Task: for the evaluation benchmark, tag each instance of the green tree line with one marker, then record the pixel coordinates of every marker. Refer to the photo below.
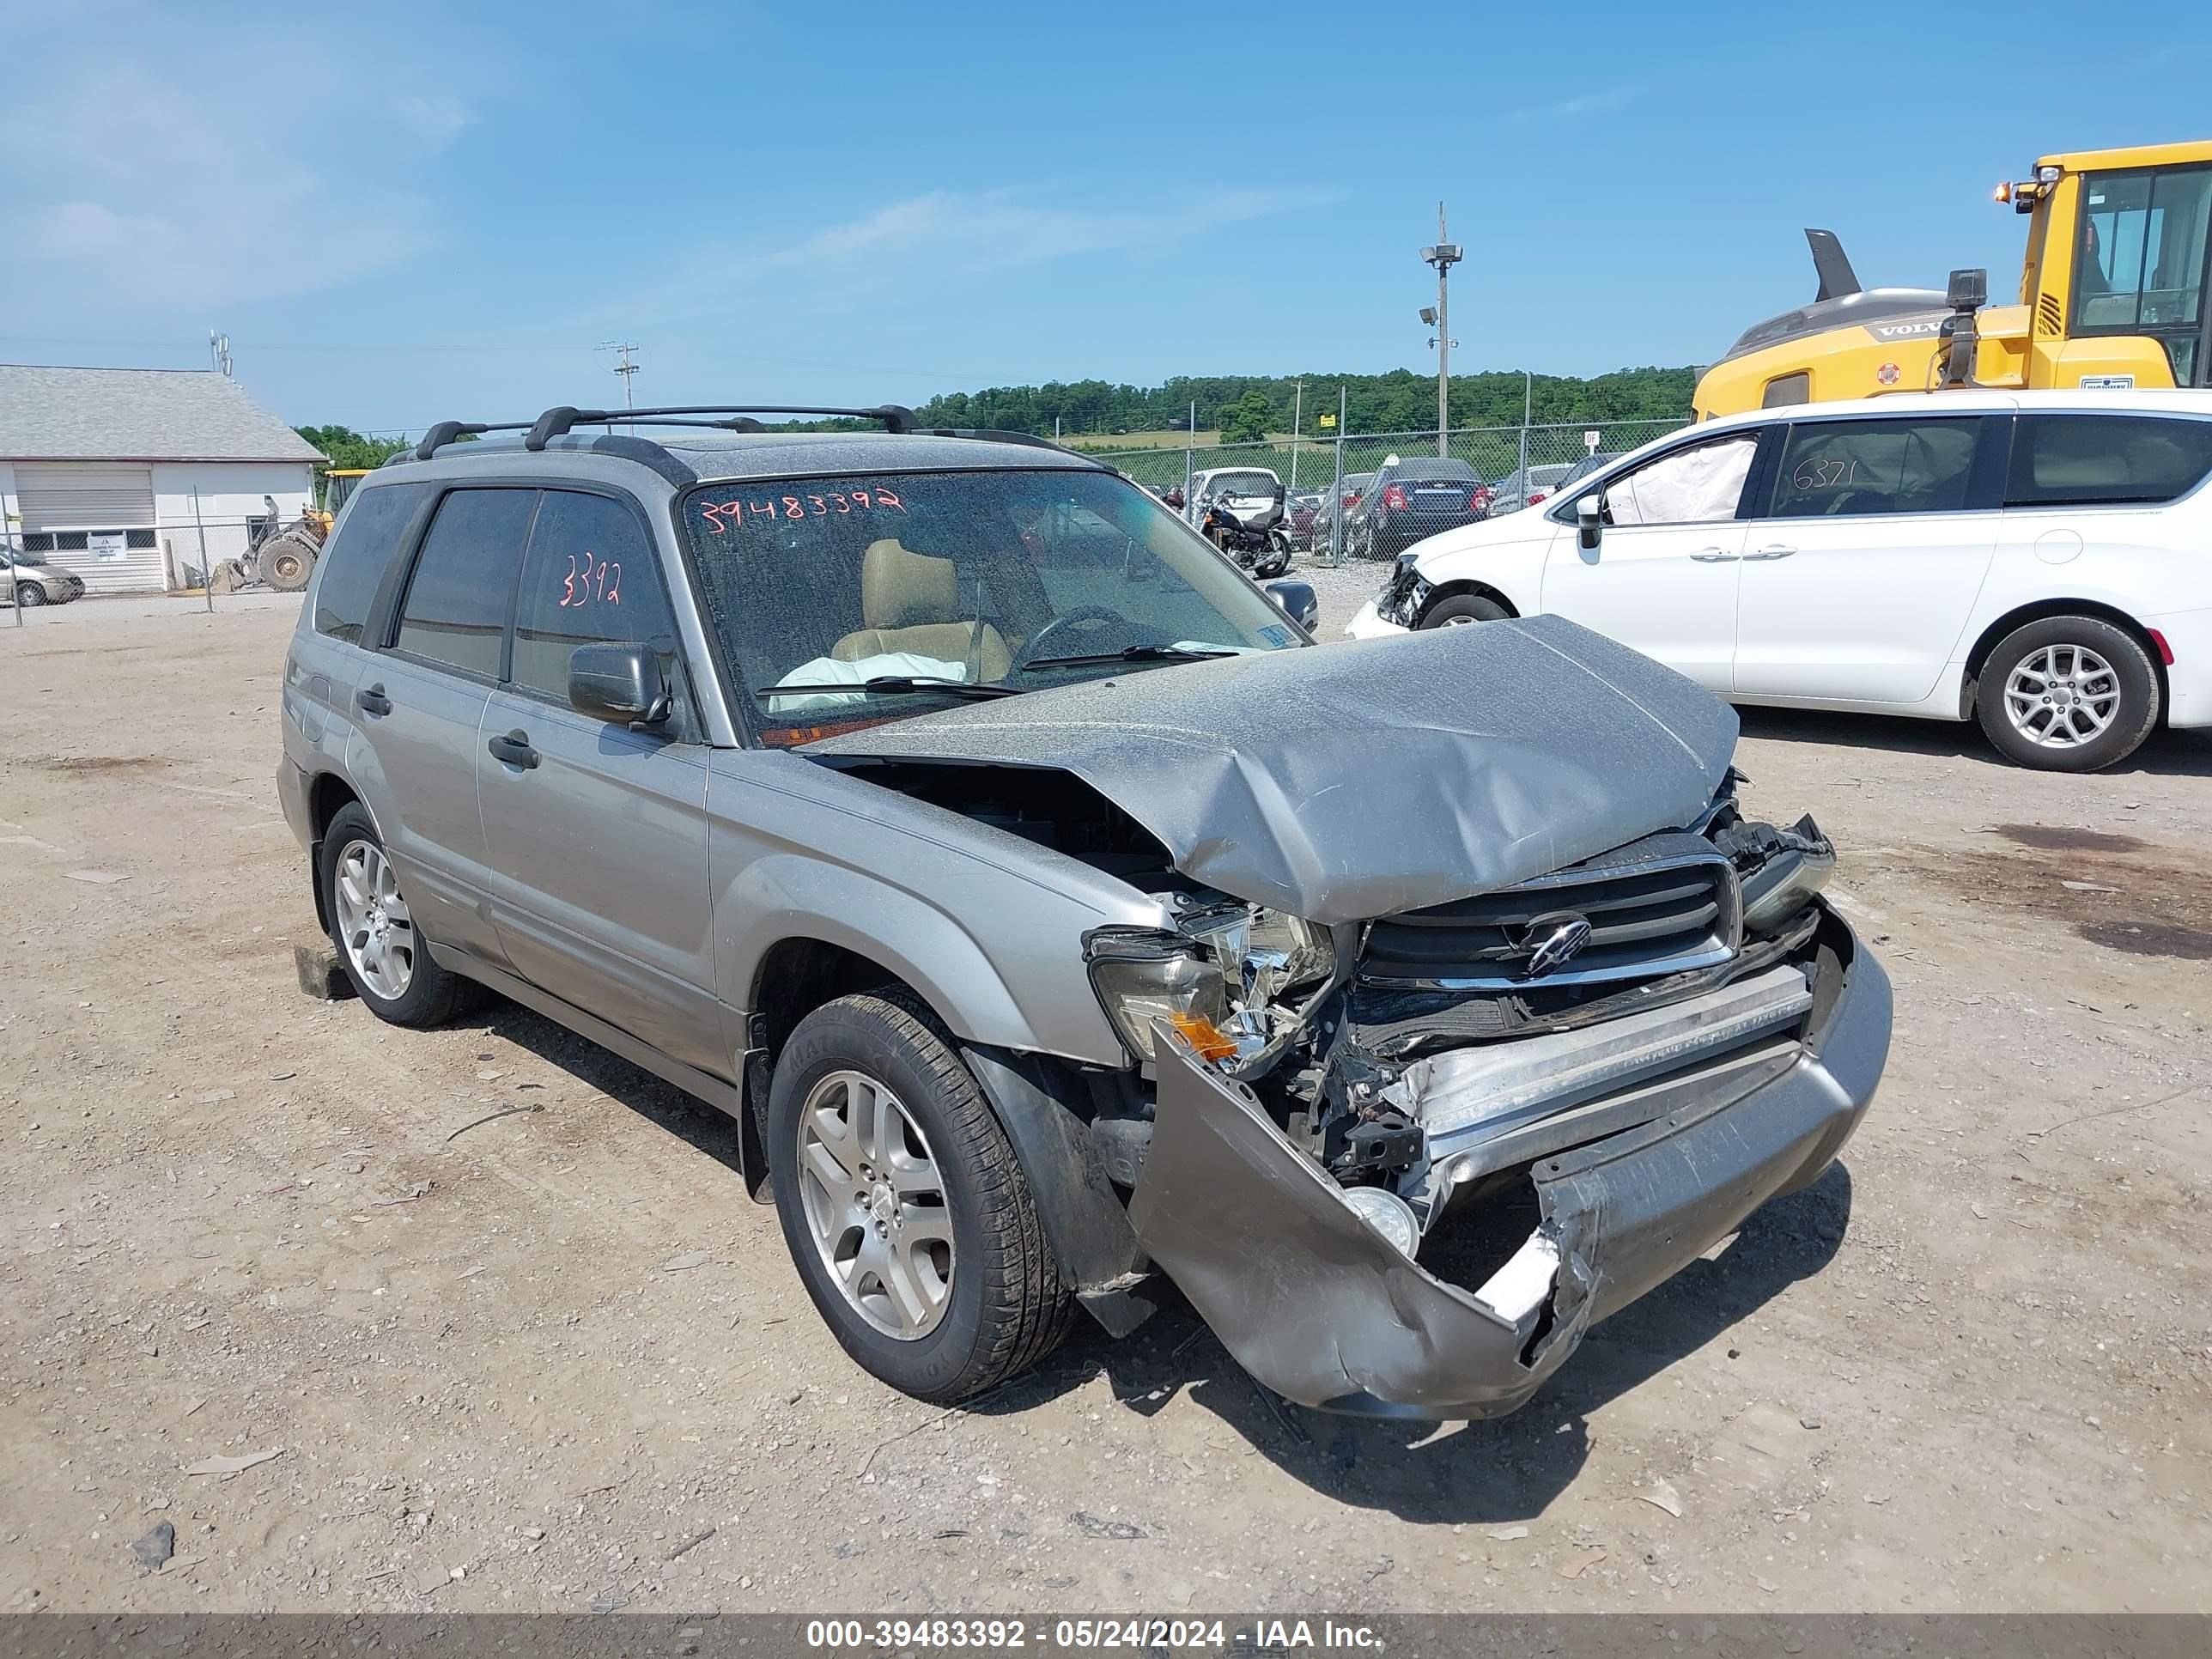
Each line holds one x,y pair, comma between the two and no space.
1253,405
1239,406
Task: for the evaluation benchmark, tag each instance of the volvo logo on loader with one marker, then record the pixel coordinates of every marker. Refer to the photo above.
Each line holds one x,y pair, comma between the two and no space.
1552,941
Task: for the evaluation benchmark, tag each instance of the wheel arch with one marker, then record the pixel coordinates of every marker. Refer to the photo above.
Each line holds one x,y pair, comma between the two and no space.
1466,587
2019,615
327,795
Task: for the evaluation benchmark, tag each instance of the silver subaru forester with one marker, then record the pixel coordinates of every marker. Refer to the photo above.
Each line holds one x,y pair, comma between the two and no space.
1050,914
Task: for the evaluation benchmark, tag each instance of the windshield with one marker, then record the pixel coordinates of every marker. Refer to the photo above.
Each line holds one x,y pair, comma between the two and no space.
923,581
1242,483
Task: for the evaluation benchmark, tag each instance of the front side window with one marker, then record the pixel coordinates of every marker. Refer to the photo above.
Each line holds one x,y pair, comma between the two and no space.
1009,581
590,578
1841,469
2105,459
2141,263
1696,485
353,565
455,612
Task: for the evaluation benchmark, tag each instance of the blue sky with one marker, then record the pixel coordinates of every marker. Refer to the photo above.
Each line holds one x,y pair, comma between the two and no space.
403,214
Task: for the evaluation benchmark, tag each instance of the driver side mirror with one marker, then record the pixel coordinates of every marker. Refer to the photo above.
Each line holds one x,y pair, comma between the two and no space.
1297,601
621,685
1589,522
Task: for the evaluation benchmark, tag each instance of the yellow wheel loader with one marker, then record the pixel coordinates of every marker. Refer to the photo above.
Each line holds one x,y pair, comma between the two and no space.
2112,293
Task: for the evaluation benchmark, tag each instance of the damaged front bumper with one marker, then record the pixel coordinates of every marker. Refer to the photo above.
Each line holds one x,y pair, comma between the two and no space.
1319,1307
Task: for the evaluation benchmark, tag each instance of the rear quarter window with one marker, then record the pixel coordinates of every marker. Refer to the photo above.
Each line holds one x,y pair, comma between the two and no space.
2090,460
360,550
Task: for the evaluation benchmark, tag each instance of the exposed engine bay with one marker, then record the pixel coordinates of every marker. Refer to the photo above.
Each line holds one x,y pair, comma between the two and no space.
1424,1060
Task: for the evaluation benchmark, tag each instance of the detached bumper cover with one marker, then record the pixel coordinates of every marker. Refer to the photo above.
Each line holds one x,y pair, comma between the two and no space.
1318,1306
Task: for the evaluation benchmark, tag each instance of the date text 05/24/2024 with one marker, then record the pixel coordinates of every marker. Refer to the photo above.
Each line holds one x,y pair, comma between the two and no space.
1132,1633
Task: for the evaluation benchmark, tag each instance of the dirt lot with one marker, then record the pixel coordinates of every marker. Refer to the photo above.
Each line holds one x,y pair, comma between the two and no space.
558,1361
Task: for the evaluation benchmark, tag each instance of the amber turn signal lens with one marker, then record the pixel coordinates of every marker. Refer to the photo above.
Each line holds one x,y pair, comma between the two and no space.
1207,1040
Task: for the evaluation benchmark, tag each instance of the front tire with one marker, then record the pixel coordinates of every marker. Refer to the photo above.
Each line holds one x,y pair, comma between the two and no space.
904,1207
2068,694
383,952
1459,610
29,593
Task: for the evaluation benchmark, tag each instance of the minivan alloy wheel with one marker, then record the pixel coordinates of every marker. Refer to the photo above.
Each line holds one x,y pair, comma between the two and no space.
875,1204
374,924
2062,697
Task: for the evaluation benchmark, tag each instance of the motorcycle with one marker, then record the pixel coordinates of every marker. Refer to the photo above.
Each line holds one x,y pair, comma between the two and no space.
1254,536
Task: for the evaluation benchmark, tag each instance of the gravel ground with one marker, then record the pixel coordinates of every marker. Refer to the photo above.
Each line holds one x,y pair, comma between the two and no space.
556,1360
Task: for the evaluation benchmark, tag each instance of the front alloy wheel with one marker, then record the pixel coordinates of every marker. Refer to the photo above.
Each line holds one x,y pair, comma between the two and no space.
903,1205
875,1204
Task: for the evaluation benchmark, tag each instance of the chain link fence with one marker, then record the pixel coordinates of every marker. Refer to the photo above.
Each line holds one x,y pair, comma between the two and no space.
1512,460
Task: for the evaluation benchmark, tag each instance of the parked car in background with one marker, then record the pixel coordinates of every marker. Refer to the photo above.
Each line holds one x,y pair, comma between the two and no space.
1412,499
1306,512
1526,486
1244,490
1336,509
32,582
2035,560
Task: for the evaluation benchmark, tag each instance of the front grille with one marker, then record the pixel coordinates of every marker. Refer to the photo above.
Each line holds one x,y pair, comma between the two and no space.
1656,906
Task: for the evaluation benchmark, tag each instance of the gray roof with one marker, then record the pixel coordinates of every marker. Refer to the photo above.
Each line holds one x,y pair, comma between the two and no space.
137,414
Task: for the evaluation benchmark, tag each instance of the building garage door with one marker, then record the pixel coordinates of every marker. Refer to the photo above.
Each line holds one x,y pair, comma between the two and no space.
97,521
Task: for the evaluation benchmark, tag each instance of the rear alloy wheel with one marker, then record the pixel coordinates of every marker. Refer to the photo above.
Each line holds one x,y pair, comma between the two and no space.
2068,694
1462,609
29,593
903,1205
374,928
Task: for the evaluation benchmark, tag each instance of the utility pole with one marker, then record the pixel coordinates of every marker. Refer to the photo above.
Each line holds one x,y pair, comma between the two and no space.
1297,414
1527,403
624,368
1443,256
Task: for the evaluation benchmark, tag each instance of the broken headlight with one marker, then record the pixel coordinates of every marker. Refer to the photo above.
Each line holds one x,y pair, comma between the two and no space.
1141,976
1797,862
1403,594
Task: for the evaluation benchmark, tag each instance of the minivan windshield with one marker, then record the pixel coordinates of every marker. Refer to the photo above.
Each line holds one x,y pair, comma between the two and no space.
841,600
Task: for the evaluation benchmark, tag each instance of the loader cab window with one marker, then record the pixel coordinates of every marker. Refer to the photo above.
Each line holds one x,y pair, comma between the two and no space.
2140,265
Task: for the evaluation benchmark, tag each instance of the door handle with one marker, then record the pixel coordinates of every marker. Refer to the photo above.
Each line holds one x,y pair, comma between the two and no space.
1771,553
373,701
1714,556
514,750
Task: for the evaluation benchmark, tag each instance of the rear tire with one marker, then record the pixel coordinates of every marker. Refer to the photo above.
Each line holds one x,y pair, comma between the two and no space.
421,993
2068,694
1459,610
994,1306
285,562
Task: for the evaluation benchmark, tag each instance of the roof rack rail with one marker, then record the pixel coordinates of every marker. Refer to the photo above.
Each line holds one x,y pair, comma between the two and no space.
562,418
446,431
992,434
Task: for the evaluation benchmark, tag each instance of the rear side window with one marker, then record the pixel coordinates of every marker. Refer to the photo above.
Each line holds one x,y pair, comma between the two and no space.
1845,469
2104,459
358,555
455,612
590,579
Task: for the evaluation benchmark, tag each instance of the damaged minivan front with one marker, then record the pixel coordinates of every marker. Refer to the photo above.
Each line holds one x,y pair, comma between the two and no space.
1505,946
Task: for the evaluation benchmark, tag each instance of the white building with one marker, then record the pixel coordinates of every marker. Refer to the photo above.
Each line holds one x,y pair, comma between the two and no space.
117,474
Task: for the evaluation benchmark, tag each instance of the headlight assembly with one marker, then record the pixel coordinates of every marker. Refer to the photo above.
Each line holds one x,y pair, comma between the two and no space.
1141,976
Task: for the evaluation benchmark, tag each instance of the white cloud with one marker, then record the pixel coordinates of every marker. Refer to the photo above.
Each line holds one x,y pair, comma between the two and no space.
146,171
936,235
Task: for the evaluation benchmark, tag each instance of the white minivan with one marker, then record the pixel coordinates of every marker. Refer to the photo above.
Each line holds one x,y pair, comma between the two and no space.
2040,561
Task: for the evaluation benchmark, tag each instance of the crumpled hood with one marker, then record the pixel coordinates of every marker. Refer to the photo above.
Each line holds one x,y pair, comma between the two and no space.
1345,782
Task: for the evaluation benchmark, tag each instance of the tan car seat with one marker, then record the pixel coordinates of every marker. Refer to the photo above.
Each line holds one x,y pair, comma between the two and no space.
911,602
